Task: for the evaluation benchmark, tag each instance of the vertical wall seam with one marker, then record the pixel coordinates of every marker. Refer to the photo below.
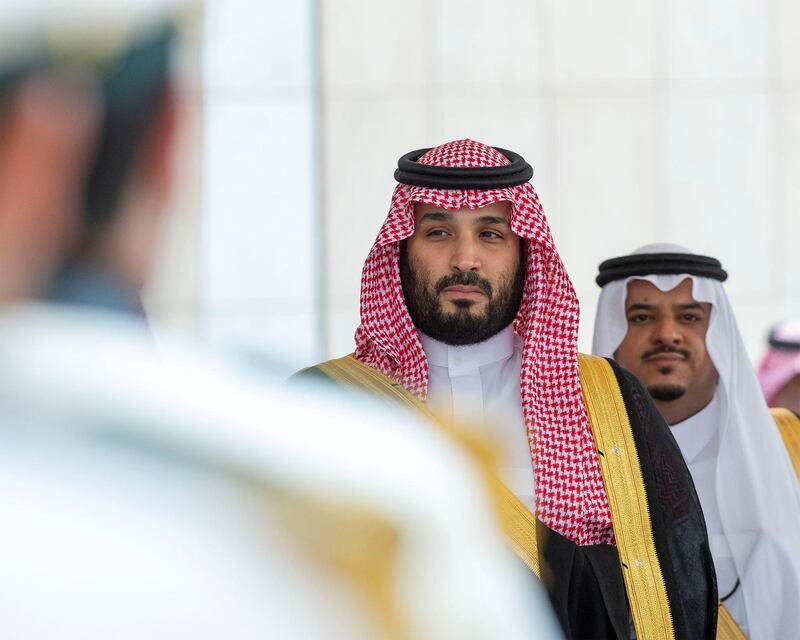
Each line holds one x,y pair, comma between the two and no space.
321,306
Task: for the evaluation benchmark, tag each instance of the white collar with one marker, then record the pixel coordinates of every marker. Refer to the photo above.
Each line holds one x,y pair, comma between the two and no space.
694,433
462,359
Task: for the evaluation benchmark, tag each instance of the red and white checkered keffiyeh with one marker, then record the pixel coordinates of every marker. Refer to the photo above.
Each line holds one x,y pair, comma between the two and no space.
569,490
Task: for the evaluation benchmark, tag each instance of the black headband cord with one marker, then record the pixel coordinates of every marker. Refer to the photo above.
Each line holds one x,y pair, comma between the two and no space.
411,172
783,345
646,264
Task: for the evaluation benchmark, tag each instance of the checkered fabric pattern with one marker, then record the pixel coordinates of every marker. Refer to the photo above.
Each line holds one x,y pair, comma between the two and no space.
569,490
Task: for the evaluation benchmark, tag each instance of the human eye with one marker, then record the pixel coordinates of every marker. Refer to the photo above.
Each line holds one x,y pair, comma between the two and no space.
638,318
491,234
436,233
691,317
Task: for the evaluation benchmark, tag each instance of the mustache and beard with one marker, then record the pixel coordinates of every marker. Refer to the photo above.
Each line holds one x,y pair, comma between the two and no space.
666,392
462,326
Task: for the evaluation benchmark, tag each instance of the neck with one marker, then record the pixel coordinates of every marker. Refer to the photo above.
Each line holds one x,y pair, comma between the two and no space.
469,356
675,411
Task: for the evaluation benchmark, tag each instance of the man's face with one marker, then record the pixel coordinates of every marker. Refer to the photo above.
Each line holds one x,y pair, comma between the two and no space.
462,272
49,125
665,347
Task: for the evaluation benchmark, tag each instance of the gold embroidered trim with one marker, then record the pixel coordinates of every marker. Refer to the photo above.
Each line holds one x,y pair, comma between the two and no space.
727,629
627,499
518,523
356,546
789,427
350,372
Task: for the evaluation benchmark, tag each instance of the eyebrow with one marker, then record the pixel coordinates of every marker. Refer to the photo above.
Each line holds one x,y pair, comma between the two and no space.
641,306
492,220
690,305
445,216
437,216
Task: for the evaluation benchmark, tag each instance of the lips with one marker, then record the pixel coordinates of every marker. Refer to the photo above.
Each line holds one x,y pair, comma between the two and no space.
462,289
665,358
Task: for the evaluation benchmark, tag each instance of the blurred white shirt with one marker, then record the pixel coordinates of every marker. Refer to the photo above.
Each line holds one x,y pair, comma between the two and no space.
161,495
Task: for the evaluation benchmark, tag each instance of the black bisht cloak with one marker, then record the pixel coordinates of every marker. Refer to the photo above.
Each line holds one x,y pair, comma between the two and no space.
585,583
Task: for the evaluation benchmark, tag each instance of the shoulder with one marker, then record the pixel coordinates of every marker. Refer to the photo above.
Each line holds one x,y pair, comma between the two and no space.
601,375
325,371
603,380
788,423
661,460
781,415
644,418
599,364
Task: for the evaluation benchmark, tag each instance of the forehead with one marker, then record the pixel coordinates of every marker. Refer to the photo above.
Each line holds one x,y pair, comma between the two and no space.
645,292
501,209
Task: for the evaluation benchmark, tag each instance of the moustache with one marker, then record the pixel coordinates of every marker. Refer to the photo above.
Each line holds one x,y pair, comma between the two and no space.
468,279
666,349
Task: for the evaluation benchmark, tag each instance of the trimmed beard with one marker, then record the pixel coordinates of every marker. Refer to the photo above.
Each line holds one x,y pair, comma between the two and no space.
666,392
462,326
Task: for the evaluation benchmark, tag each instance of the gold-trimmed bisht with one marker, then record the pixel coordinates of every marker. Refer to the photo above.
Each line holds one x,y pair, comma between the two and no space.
624,484
622,477
627,499
518,523
789,427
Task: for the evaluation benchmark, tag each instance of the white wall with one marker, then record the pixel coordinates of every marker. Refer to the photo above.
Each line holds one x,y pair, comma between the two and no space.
260,175
673,120
241,261
174,296
645,121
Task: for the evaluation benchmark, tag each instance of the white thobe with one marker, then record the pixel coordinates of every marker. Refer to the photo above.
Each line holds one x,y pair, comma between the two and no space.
698,439
476,387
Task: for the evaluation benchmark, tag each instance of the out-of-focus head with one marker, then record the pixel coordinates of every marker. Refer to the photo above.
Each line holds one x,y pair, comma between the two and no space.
87,121
779,371
47,127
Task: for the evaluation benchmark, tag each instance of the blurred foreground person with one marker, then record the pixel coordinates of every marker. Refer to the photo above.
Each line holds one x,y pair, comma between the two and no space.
468,315
174,502
779,371
46,140
110,180
162,495
664,315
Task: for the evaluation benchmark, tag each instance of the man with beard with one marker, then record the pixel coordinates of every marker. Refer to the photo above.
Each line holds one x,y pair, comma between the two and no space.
468,315
664,315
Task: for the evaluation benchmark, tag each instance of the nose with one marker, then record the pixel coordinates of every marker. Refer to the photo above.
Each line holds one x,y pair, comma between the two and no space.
667,331
466,255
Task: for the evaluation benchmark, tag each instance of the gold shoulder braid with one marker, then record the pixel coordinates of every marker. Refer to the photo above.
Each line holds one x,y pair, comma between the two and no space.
627,499
357,547
789,427
727,629
518,523
605,406
349,372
